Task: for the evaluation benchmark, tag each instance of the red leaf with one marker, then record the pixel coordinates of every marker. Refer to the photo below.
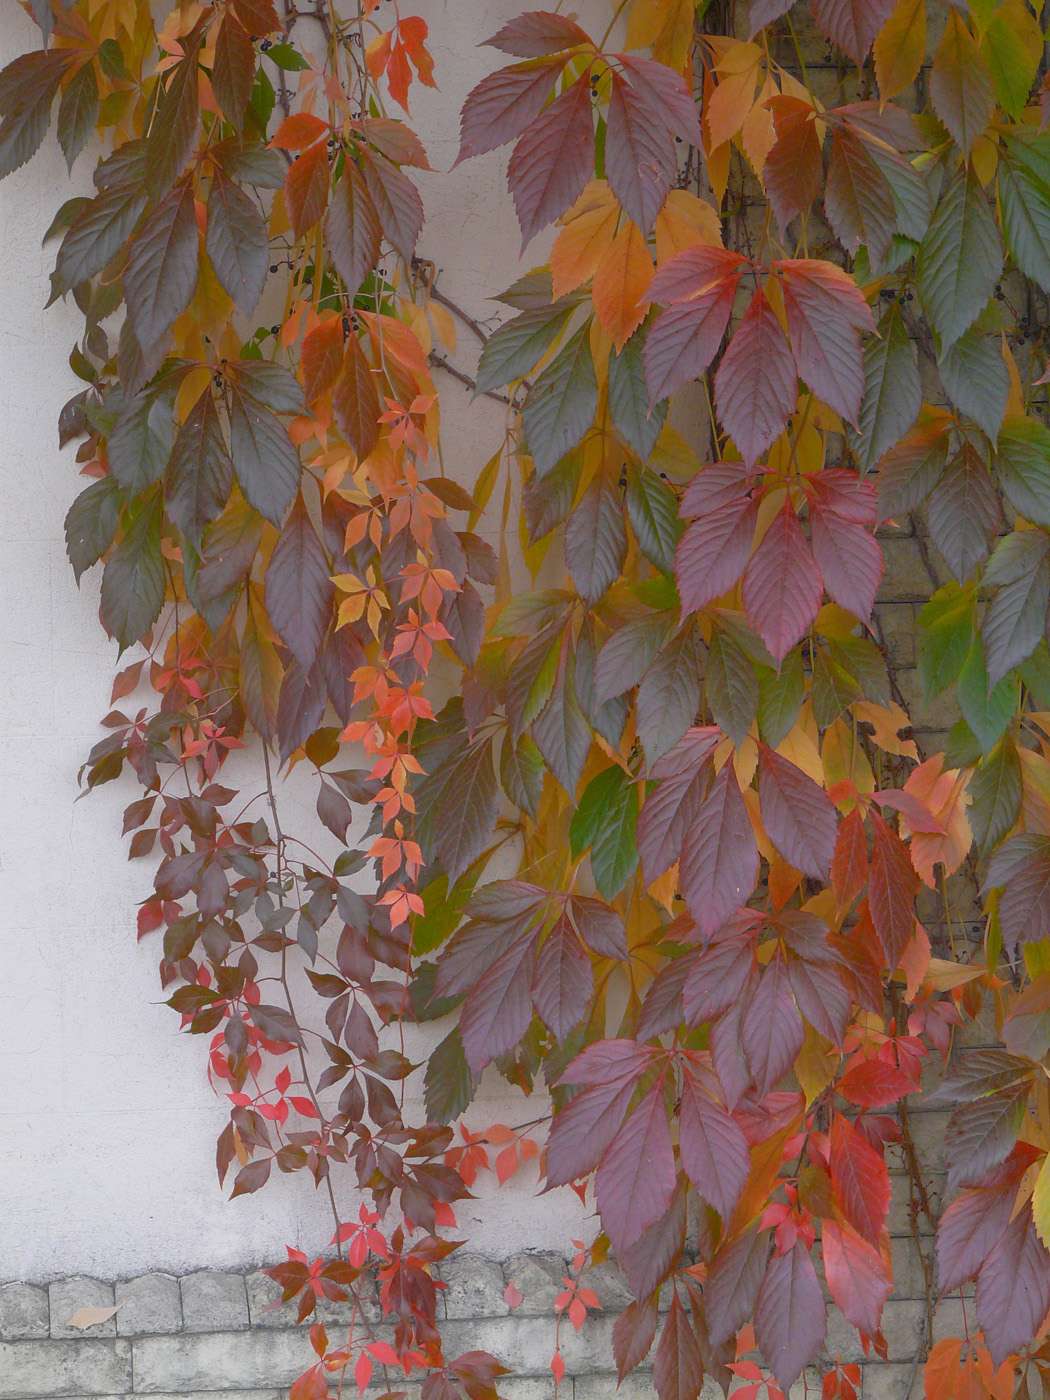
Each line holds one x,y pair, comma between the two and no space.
713,1148
355,400
321,359
633,1334
852,24
553,160
665,92
794,169
826,312
538,33
892,885
763,12
666,816
353,233
874,1084
505,104
790,1315
860,1180
857,1274
717,979
640,158
782,588
798,816
733,1281
1013,1288
693,271
635,1180
772,1028
583,1129
299,588
678,1371
849,559
563,981
849,864
970,1230
713,552
820,995
719,860
497,1011
756,385
685,338
306,189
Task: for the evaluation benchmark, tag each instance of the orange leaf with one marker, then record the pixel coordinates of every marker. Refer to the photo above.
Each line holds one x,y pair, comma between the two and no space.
942,1370
684,221
620,283
298,131
587,235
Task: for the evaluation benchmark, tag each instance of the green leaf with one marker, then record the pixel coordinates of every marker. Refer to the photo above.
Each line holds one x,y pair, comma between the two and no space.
652,508
910,471
987,710
995,794
91,524
264,457
237,242
27,92
521,773
961,87
77,113
669,695
133,581
449,1084
140,443
562,404
97,234
1013,63
974,373
1025,203
893,395
732,686
284,56
561,732
605,821
946,631
780,698
596,539
863,660
1015,619
515,349
1022,464
833,690
442,913
1035,672
200,472
629,399
271,384
964,512
111,60
960,258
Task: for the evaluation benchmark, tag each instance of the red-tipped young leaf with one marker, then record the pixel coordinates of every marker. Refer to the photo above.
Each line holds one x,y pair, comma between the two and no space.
790,1315
756,385
782,587
553,160
798,816
719,861
635,1179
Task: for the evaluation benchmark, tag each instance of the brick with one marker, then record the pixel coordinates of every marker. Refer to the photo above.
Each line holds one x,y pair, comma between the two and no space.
903,1322
610,1287
268,1394
526,1344
538,1277
214,1302
69,1294
906,577
23,1312
896,624
264,1302
150,1303
927,714
46,1368
473,1287
220,1360
891,1381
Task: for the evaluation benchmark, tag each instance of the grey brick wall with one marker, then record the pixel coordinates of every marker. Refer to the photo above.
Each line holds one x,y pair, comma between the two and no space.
220,1336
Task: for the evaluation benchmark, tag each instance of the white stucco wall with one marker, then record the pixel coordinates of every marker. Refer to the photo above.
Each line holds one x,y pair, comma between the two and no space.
107,1123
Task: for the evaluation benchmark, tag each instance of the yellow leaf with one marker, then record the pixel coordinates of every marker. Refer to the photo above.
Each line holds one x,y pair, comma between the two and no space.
1015,398
190,390
757,134
943,975
620,282
91,1317
900,48
718,171
845,761
887,722
587,235
1041,1202
815,1065
683,222
800,748
985,157
734,96
673,455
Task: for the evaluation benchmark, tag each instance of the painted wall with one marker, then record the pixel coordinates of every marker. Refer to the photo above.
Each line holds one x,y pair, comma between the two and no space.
107,1124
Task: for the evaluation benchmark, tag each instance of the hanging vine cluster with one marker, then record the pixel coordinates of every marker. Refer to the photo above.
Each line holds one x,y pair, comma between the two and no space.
748,912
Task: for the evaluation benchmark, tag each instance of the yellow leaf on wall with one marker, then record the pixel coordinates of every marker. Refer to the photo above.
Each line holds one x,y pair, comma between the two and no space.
900,48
